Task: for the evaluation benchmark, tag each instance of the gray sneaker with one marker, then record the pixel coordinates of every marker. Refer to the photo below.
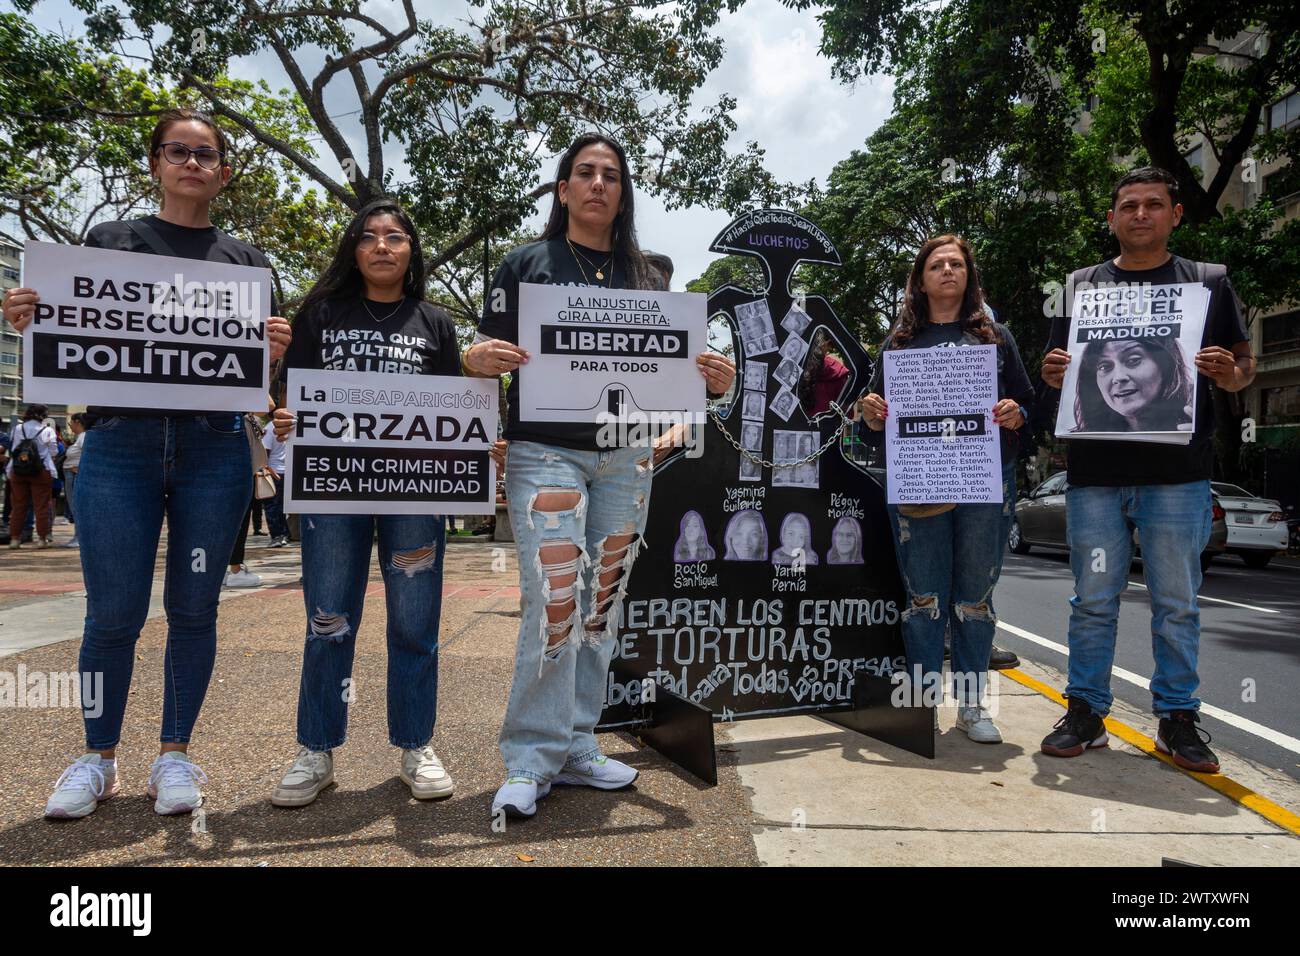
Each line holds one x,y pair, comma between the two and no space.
422,771
978,725
312,772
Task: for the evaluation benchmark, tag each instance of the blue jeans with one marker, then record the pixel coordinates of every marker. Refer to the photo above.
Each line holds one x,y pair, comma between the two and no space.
950,564
561,665
335,573
196,471
276,522
1173,525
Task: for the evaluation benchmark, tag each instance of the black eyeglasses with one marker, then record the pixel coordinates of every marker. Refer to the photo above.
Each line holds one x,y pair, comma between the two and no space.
178,154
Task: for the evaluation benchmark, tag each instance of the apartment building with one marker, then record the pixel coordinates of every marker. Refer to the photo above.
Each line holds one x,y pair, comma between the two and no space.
12,402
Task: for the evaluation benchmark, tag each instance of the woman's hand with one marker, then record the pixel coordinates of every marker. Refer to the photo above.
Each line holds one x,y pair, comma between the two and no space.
494,357
664,445
498,454
874,411
19,307
1219,364
278,335
283,422
1055,363
718,371
1007,414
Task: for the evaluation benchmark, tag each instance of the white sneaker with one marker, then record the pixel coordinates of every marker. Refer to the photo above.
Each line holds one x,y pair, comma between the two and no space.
72,543
243,578
978,725
518,797
44,542
312,772
603,773
89,780
174,783
422,771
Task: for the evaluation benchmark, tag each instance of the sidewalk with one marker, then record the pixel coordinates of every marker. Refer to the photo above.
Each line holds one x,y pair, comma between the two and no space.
795,790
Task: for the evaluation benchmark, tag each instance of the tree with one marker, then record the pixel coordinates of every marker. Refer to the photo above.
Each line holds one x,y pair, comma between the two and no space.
471,107
1188,79
72,154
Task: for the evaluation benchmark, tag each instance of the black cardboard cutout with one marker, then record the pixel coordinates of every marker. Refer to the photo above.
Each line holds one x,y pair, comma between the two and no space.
754,638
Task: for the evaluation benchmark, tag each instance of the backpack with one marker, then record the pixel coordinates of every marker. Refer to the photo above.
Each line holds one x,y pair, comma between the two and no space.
27,455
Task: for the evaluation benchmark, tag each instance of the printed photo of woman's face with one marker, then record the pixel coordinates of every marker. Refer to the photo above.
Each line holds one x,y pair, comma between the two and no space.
1128,377
794,536
746,538
846,542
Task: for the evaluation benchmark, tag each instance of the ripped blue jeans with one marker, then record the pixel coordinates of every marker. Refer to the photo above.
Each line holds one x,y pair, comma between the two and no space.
950,564
335,574
578,519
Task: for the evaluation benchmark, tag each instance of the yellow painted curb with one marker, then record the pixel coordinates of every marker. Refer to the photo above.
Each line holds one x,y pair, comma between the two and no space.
1248,798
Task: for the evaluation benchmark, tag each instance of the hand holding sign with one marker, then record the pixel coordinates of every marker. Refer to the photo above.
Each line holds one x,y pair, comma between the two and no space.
718,371
19,307
494,357
1007,414
1055,363
1219,364
278,336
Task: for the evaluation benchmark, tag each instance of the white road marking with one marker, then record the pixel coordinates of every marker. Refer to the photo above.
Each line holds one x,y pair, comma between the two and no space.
1241,723
1202,597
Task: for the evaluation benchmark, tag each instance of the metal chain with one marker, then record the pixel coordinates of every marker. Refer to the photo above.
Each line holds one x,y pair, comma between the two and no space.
835,436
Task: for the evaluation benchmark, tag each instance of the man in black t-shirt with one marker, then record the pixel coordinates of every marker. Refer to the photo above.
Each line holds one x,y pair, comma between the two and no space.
1161,490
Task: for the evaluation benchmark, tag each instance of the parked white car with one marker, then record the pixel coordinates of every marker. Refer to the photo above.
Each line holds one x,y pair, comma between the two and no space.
1256,526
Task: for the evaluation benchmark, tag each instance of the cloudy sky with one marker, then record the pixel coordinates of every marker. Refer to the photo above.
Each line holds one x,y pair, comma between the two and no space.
786,101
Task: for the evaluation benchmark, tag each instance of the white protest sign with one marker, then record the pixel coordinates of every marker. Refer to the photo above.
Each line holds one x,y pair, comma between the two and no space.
143,331
1132,374
941,443
377,443
609,355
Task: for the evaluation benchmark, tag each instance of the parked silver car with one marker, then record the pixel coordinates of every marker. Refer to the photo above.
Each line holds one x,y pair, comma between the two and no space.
1257,527
1040,522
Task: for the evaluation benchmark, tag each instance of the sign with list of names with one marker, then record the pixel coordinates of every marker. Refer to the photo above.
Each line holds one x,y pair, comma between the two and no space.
379,443
143,331
941,442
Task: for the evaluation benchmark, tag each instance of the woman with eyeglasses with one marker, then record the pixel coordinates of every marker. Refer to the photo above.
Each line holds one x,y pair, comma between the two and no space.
367,313
578,510
141,465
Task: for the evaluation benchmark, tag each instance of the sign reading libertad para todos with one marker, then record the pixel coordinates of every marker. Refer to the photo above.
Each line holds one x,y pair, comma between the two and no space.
609,354
141,331
375,443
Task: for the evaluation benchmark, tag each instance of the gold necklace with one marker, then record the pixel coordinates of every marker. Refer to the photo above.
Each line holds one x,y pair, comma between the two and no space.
600,270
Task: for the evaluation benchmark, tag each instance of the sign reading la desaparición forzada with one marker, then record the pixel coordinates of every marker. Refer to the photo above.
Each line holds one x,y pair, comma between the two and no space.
142,331
378,443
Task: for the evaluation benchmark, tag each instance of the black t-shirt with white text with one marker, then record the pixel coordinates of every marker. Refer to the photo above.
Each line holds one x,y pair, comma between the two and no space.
1103,462
549,262
208,244
353,334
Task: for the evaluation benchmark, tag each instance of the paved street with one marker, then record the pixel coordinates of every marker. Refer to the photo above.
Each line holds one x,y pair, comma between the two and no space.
792,790
1250,635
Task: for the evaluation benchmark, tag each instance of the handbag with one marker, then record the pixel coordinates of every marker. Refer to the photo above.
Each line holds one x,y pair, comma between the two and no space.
264,485
257,451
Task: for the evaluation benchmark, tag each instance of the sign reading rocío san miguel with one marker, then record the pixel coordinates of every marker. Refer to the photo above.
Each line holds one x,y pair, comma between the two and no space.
766,589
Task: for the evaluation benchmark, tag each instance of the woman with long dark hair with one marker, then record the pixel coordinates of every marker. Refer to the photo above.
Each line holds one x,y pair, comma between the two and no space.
950,555
578,510
1133,385
140,465
368,313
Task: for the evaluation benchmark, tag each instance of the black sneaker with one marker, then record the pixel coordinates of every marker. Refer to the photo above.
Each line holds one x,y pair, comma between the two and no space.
1079,730
1000,660
1179,737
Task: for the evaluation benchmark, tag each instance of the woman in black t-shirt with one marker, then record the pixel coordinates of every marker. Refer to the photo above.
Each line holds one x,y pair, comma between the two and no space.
577,507
139,465
367,313
950,555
